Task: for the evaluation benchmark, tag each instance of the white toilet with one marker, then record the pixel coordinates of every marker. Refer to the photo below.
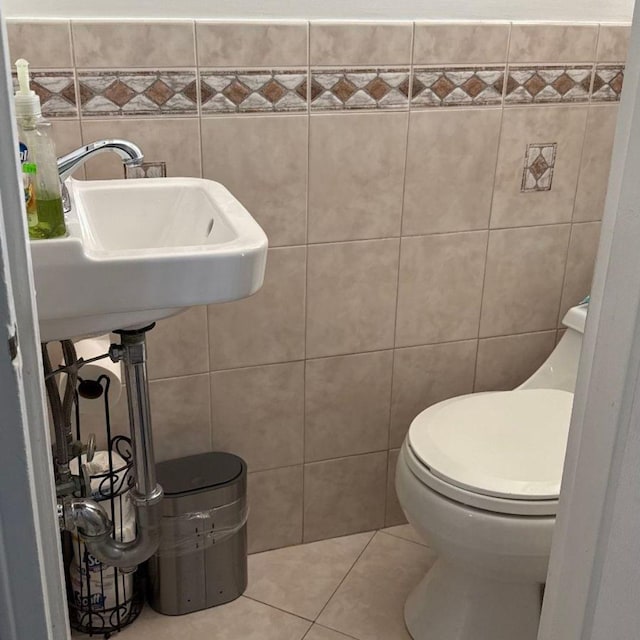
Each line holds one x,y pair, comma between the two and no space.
479,477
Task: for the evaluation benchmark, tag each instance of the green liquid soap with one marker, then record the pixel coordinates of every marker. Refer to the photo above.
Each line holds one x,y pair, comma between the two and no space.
50,220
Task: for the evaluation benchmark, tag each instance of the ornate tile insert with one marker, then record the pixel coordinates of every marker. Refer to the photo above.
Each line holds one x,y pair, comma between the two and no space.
607,83
253,91
57,91
459,86
146,170
134,93
359,89
539,163
528,85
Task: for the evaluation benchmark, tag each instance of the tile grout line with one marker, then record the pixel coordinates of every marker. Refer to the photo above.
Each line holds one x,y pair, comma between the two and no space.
306,280
577,184
208,322
357,353
346,575
273,606
397,301
493,191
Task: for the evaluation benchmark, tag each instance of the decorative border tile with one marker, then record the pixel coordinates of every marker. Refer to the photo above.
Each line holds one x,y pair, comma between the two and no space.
253,91
337,89
535,85
135,93
607,83
539,163
57,91
457,86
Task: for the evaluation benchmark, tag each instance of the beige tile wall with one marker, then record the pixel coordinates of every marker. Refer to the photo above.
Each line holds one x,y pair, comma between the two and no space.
406,265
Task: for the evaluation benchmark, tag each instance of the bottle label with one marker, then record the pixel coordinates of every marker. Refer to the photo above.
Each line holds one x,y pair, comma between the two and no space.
24,153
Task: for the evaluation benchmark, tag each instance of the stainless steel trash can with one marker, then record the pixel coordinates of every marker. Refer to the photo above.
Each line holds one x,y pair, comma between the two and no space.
202,558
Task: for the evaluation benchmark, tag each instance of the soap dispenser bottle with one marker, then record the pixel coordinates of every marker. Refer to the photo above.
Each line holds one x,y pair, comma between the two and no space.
38,158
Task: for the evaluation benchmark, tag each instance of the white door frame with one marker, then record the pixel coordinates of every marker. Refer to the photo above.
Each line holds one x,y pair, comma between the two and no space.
593,585
32,602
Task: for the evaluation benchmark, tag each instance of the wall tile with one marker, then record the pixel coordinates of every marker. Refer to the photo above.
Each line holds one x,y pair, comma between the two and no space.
178,345
252,91
423,376
450,169
457,86
360,43
347,405
613,41
394,514
66,135
595,162
440,287
344,496
174,141
133,44
540,85
608,80
507,361
275,508
351,297
138,93
523,280
359,89
356,167
258,413
268,326
522,126
46,44
243,43
460,43
180,411
583,247
546,42
264,164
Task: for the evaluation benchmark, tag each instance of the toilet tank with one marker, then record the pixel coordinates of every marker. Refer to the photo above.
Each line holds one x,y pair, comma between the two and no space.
560,369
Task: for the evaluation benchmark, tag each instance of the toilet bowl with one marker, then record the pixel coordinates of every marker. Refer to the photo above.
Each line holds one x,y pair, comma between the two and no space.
478,476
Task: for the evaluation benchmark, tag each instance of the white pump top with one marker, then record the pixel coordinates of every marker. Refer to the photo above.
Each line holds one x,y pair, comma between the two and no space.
27,101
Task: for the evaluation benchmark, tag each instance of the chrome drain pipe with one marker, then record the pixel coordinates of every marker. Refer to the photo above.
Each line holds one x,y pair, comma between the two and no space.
88,517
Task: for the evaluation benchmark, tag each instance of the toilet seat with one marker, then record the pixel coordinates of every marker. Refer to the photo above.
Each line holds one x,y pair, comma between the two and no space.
500,451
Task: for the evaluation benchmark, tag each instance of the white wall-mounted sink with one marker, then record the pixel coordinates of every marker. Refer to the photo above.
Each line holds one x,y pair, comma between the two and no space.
138,251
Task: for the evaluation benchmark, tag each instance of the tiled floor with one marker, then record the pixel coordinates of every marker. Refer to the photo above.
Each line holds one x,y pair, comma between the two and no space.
340,589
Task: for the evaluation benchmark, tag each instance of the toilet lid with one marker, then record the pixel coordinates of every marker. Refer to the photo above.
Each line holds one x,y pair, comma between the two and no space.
508,444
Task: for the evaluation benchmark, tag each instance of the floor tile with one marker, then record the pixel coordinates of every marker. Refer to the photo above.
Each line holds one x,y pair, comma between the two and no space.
322,633
301,579
369,604
406,532
241,619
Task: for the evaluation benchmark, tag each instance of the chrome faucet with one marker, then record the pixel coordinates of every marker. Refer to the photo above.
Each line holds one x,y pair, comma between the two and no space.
130,154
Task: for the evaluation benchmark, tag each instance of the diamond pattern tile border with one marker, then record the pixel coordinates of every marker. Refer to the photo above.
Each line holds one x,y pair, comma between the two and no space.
539,163
133,93
529,85
457,86
340,89
57,91
253,91
607,83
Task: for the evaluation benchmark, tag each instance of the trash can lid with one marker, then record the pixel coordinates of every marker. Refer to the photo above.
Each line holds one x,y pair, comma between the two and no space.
195,473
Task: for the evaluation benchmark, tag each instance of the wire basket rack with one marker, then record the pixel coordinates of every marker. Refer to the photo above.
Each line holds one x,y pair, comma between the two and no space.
104,599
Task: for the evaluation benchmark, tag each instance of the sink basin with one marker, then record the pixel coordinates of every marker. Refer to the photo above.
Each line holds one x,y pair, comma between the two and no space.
138,251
